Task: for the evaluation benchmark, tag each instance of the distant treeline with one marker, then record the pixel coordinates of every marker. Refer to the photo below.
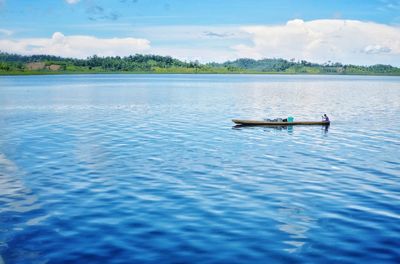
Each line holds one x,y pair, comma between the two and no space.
46,64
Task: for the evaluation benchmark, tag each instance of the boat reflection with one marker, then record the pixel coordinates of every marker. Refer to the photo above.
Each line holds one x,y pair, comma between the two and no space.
289,129
325,129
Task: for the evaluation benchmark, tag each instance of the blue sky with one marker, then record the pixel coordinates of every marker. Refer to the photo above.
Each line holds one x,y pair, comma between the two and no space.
361,32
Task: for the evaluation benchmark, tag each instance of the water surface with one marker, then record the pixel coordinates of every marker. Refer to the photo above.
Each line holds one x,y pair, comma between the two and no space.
149,169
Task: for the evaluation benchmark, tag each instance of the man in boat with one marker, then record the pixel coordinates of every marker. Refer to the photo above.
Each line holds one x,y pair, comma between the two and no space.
325,118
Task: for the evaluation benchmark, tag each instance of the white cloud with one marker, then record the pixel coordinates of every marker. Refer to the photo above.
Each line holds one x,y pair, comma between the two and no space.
203,55
188,32
346,41
5,32
76,46
391,4
337,40
72,1
189,42
376,49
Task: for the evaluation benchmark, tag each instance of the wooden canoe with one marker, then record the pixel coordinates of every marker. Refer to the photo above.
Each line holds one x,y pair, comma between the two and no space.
269,123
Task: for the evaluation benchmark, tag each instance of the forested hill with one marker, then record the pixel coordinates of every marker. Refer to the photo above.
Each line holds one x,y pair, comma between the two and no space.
47,64
284,66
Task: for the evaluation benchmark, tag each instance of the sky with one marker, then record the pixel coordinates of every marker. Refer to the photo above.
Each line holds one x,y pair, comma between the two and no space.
351,32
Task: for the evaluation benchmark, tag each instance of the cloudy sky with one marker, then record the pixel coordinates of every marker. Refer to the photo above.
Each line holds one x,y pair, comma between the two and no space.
358,32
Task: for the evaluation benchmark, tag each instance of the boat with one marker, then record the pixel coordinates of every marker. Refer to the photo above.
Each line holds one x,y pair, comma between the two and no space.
272,123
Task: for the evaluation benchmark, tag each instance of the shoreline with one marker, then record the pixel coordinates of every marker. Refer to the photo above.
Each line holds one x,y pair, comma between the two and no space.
31,73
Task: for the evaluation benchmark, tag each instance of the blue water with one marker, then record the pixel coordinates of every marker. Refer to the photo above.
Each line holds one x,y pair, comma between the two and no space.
149,169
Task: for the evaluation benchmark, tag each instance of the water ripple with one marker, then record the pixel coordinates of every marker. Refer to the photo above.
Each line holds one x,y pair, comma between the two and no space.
145,169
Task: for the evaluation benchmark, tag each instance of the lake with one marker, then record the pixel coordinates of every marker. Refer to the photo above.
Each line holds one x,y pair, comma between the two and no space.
150,169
